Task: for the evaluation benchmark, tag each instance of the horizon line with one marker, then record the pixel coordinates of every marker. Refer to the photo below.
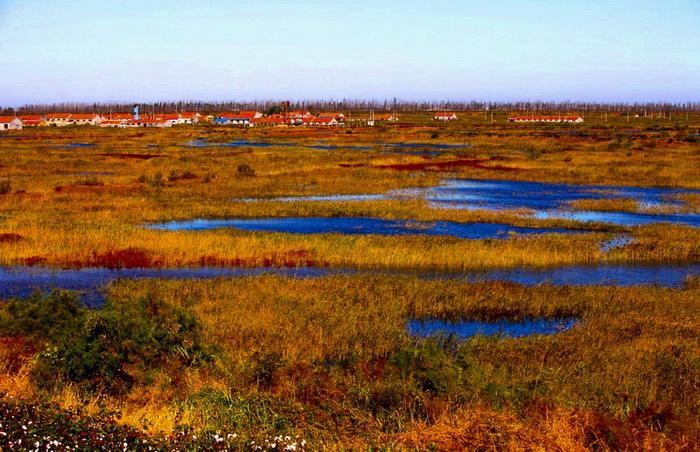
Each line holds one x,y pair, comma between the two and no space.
373,102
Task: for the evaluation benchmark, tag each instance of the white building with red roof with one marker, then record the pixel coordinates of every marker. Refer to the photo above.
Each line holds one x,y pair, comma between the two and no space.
322,122
338,116
72,119
546,118
445,116
242,118
114,123
143,122
31,120
10,123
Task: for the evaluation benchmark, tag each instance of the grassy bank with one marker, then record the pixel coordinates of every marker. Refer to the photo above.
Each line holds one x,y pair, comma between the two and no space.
329,359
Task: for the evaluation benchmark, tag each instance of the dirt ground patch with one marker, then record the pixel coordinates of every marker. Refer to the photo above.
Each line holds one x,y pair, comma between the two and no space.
9,237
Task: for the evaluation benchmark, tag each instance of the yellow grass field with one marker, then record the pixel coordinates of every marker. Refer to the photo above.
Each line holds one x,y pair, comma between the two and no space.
329,360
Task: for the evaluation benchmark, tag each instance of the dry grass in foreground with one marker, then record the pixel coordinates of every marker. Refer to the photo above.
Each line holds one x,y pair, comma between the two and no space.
329,359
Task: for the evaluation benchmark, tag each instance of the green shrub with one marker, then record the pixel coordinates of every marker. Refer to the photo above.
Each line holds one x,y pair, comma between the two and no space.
429,366
157,181
110,349
264,367
43,317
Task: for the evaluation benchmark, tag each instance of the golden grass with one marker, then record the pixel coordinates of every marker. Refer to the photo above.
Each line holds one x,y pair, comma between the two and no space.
332,339
630,353
84,244
69,226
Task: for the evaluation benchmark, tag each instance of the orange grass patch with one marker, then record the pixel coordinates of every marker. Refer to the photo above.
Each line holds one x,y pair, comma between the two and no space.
445,165
96,189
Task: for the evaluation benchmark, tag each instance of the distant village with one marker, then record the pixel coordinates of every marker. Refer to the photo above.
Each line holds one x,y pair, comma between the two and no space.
244,118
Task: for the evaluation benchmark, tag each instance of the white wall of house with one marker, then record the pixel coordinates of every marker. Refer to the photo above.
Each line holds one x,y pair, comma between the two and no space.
15,124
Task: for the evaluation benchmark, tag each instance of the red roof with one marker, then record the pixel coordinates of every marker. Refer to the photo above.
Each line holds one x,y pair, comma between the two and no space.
324,120
249,113
7,118
120,116
168,117
448,114
304,114
83,116
274,119
30,117
58,115
239,115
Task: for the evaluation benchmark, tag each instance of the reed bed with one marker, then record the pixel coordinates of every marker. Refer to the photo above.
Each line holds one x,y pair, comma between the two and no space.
330,359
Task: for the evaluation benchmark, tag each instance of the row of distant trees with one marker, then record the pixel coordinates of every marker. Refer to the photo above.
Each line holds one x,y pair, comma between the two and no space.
347,105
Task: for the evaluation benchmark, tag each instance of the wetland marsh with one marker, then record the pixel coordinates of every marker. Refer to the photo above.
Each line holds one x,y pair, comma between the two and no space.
280,282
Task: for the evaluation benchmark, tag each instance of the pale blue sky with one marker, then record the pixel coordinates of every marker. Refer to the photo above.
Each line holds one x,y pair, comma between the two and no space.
124,50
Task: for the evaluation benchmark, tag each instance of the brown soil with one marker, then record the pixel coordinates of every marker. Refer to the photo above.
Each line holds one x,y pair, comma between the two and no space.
10,238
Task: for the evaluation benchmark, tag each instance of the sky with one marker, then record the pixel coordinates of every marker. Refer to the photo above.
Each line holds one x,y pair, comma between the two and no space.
500,50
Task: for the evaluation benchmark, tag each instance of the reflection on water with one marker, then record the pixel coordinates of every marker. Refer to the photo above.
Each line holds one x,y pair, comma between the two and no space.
619,218
546,201
363,226
506,328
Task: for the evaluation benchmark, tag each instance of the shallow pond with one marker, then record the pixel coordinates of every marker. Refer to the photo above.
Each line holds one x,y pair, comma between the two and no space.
619,218
505,195
502,328
23,281
362,226
427,149
75,145
546,201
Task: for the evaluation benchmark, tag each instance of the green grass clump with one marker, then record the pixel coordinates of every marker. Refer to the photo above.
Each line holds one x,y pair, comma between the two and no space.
112,348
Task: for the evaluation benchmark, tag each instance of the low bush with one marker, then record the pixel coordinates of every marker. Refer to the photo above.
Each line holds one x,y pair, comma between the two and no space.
429,366
157,181
109,349
43,317
245,170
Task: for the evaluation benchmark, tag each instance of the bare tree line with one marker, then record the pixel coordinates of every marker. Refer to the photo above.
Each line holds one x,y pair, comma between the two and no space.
349,105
